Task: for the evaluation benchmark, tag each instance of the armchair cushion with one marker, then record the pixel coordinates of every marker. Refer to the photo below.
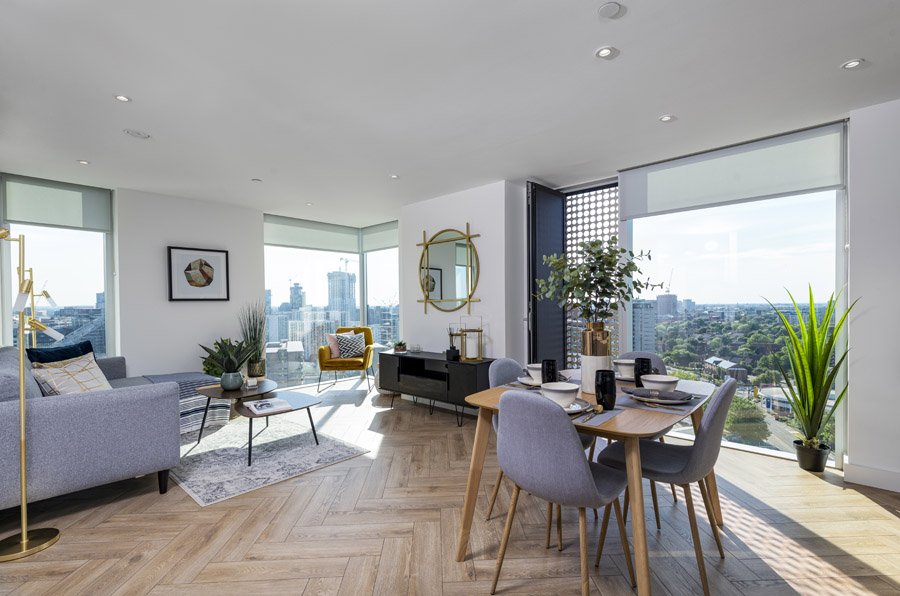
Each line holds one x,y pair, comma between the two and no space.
351,346
343,364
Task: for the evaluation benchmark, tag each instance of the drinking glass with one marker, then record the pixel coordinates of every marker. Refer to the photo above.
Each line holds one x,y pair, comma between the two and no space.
548,371
605,388
642,366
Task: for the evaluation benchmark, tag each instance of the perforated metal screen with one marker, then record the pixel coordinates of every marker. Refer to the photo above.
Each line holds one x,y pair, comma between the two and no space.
590,215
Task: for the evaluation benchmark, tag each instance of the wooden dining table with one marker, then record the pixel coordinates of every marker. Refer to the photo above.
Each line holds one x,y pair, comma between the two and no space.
629,426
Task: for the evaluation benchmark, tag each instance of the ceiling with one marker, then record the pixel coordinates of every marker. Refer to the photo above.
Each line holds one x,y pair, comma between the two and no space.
325,100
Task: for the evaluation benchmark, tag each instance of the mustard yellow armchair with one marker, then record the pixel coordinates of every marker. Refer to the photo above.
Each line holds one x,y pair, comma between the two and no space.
363,363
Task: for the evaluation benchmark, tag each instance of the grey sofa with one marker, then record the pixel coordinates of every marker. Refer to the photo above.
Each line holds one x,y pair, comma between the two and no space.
84,440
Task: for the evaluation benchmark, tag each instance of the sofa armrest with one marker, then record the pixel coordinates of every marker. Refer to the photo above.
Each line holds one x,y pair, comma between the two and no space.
112,367
83,440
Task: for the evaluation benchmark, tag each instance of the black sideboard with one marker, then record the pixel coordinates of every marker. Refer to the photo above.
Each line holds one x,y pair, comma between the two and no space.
431,376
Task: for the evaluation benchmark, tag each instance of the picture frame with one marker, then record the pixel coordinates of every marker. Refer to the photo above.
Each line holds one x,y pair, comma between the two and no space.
432,278
197,274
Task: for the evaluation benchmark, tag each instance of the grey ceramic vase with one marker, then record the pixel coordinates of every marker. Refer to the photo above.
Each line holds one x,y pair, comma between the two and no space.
232,381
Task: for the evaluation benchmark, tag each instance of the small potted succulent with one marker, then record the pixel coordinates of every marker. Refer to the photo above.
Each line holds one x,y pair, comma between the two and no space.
400,346
227,358
808,387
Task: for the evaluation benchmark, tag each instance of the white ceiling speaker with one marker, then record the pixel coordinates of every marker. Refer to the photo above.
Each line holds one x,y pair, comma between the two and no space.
610,10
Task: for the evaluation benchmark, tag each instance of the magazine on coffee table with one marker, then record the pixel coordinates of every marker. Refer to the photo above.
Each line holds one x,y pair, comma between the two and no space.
268,406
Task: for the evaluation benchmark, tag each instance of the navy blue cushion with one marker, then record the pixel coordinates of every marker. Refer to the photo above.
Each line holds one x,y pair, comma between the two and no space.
45,355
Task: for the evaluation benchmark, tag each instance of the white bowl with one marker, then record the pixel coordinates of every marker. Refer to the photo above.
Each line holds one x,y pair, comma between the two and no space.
624,368
535,371
659,382
561,393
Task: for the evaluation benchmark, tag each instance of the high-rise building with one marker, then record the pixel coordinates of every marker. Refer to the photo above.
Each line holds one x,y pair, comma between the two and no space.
643,325
268,302
101,300
298,296
342,295
666,305
689,306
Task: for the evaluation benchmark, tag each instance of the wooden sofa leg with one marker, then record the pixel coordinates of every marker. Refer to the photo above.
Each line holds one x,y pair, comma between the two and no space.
163,477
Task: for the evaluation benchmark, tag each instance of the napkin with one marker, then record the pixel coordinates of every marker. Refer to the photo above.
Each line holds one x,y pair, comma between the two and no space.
662,395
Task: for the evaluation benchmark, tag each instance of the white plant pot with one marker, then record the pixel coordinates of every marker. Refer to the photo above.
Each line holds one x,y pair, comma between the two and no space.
589,367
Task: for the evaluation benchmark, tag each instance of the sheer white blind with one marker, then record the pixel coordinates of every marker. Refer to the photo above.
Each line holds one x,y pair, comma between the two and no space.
380,236
45,202
798,162
302,233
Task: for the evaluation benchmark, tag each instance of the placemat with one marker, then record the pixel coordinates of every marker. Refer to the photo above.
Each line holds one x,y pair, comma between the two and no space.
599,418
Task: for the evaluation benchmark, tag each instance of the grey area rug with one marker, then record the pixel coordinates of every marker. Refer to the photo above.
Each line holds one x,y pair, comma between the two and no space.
217,469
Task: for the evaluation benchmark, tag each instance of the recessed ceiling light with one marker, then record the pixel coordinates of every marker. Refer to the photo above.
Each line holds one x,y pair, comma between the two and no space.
84,162
123,98
667,118
256,180
610,10
394,177
851,64
607,52
136,134
308,204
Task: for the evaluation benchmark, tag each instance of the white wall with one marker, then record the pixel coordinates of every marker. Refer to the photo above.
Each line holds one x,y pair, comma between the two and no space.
496,211
873,404
158,336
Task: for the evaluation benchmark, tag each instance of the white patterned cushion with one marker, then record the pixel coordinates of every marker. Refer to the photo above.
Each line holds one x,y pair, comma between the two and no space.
76,375
351,346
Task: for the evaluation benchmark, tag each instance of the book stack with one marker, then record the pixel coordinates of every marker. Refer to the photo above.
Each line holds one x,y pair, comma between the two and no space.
262,407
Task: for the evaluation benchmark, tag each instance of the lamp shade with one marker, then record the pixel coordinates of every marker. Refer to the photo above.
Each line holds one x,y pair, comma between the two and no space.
50,331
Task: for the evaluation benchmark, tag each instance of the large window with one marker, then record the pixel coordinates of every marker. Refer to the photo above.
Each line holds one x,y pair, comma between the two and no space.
383,294
309,293
66,229
710,320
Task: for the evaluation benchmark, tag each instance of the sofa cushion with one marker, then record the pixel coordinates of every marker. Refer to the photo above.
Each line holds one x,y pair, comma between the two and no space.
128,382
55,354
76,375
9,376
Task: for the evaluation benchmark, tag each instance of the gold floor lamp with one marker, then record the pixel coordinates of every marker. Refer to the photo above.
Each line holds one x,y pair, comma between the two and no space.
26,542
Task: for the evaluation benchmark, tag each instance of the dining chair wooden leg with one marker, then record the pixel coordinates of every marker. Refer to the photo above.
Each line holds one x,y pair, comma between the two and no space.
625,507
655,504
505,539
713,490
591,450
624,538
707,502
583,547
549,522
603,527
695,536
494,494
558,527
672,486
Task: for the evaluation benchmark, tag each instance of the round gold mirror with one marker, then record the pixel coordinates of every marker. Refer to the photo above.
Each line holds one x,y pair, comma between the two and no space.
448,270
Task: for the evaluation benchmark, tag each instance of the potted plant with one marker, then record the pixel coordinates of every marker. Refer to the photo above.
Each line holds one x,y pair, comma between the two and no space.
228,357
599,278
808,387
253,329
400,346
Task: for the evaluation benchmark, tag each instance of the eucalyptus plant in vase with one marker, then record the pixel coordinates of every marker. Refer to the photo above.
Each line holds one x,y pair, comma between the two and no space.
596,281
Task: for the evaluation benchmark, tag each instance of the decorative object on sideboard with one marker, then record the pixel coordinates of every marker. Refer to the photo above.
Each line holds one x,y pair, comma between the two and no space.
253,330
597,280
448,270
228,357
198,274
400,346
471,329
26,542
808,386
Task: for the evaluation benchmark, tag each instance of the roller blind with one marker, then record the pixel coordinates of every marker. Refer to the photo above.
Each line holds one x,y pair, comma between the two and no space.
302,233
804,161
380,236
45,202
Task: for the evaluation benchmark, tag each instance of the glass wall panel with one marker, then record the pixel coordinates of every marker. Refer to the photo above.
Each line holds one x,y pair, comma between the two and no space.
710,320
383,295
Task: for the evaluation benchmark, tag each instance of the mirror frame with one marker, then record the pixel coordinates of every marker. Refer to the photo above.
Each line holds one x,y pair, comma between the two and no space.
472,260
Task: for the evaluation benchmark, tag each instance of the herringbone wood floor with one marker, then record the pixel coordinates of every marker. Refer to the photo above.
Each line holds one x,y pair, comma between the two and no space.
386,523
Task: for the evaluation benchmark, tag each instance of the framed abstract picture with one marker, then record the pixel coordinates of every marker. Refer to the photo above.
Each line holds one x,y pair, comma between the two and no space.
198,274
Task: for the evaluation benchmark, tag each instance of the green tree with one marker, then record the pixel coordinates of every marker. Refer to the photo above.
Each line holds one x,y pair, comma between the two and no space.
746,422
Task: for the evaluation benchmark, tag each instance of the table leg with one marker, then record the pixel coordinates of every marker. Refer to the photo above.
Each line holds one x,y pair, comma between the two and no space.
638,523
479,448
312,424
712,487
250,442
202,424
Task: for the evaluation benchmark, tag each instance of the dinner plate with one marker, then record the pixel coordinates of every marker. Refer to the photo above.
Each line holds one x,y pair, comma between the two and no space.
661,401
529,381
577,407
629,379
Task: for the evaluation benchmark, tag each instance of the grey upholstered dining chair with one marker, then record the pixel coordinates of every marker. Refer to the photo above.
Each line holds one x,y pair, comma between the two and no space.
685,464
539,450
502,372
659,368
